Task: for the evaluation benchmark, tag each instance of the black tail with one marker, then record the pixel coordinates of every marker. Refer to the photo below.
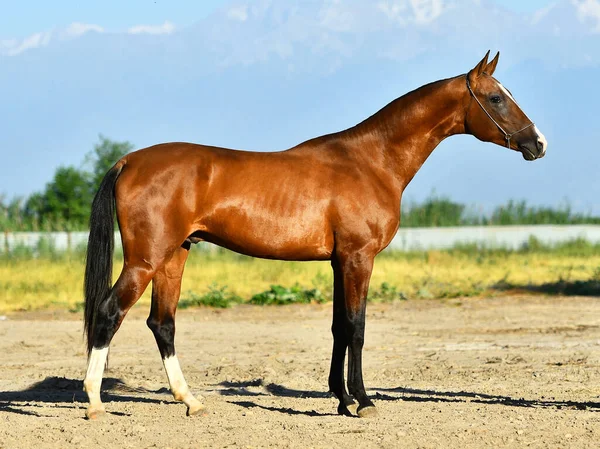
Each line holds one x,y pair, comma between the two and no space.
98,268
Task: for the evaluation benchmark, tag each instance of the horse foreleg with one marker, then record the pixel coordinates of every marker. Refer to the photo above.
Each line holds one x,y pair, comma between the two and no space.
340,344
356,269
166,288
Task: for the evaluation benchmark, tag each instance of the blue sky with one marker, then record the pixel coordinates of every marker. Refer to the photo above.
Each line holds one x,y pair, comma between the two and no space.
268,74
17,20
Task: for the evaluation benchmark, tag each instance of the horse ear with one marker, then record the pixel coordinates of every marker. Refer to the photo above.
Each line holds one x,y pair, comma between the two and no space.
491,67
479,68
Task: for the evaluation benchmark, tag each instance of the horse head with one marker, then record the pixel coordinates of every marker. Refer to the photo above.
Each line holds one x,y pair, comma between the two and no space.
493,114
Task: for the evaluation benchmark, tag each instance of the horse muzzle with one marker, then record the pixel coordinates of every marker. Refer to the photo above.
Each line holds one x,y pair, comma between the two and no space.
534,150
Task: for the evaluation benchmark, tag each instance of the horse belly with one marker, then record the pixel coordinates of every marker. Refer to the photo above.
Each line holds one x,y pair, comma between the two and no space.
271,235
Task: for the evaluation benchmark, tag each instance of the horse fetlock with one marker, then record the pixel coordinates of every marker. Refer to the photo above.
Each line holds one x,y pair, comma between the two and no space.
180,396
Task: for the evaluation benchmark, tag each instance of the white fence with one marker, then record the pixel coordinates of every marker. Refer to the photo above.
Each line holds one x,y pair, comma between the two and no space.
510,237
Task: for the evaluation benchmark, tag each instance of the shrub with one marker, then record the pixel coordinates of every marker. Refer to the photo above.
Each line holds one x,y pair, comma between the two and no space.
280,295
217,297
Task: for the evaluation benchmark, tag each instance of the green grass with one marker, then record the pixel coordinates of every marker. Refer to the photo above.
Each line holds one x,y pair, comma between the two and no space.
221,278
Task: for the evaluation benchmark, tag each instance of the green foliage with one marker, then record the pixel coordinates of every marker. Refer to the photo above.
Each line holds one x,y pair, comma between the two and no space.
65,203
66,200
77,308
385,293
280,295
434,211
10,213
519,213
45,250
217,297
103,157
575,247
441,211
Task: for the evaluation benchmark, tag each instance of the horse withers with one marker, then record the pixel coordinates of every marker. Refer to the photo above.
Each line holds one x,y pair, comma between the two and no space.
336,197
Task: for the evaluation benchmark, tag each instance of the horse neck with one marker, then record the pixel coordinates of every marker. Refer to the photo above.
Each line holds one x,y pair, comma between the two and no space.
406,131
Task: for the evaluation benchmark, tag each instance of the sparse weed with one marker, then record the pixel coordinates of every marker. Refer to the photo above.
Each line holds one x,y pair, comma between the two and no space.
217,297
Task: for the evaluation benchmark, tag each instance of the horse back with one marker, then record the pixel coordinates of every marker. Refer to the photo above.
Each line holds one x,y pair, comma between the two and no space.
283,205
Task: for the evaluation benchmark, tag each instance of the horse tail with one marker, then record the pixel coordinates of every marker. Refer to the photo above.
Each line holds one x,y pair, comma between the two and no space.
99,263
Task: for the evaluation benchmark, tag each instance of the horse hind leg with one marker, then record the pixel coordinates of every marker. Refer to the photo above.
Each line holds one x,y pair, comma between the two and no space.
110,314
166,288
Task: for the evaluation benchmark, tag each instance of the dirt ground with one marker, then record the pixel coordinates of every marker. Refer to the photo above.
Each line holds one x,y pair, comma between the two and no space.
503,372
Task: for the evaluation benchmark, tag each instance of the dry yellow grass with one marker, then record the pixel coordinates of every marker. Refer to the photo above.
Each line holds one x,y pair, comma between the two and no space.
40,284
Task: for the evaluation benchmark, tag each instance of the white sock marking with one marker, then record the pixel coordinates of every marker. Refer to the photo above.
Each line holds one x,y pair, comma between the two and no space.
175,375
93,377
177,382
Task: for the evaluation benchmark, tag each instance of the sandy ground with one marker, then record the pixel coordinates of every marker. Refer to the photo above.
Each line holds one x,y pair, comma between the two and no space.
504,372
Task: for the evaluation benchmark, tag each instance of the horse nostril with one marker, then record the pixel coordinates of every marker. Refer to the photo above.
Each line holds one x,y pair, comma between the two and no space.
540,146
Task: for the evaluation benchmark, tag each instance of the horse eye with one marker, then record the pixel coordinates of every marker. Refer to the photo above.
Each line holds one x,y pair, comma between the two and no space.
495,99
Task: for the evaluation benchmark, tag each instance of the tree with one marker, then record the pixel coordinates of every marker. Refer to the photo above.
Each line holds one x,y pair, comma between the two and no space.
34,210
68,197
105,154
66,200
65,203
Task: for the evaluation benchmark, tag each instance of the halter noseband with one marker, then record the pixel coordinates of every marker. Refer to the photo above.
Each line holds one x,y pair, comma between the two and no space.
507,136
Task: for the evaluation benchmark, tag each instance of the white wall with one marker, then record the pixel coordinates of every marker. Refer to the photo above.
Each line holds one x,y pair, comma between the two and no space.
511,237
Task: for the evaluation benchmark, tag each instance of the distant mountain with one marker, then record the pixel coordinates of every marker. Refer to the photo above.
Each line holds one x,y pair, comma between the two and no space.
267,74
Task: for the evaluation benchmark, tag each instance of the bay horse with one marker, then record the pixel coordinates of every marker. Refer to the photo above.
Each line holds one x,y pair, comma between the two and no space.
335,197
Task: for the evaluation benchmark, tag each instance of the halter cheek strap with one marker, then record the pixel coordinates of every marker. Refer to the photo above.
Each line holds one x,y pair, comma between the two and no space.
507,136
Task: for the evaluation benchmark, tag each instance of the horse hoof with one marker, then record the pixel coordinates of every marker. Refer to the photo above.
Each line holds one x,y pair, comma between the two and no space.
198,410
367,412
95,414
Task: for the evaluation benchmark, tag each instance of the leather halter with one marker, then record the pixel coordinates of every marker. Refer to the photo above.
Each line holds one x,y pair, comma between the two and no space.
507,136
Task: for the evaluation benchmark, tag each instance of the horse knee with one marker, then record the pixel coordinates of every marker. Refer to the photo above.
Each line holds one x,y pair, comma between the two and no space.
358,340
338,329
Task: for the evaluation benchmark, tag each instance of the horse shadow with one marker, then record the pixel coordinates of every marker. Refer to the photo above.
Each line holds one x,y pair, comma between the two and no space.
561,287
62,392
242,388
68,393
404,394
419,395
